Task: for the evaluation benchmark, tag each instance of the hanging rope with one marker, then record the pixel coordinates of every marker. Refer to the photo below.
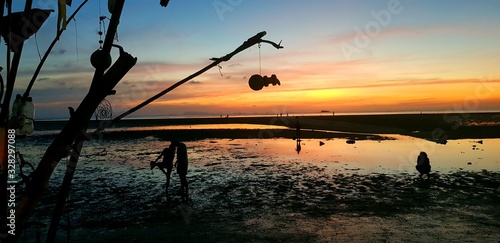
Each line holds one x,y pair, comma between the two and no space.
260,62
220,70
21,162
37,48
102,30
76,41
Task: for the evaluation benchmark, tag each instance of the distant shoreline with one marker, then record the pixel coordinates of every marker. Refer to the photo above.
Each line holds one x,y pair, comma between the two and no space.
289,114
426,126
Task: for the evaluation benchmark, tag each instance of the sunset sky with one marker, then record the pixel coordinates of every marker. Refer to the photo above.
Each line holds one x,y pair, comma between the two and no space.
339,55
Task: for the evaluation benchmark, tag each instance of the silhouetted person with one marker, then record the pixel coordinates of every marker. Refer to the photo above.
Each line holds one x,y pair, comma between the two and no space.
423,164
182,165
167,163
297,127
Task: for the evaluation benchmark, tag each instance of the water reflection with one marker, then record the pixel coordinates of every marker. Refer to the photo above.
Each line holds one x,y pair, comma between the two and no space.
367,156
298,147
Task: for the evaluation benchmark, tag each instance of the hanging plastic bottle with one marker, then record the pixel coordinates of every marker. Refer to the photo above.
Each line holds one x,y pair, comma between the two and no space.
23,114
29,120
17,117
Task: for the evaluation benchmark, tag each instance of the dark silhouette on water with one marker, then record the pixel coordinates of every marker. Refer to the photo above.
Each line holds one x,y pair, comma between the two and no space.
167,163
182,166
423,164
297,135
298,148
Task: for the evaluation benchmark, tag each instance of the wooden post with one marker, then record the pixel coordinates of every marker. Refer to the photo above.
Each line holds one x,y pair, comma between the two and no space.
114,74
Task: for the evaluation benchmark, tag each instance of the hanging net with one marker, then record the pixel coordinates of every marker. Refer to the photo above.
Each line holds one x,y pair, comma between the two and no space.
104,111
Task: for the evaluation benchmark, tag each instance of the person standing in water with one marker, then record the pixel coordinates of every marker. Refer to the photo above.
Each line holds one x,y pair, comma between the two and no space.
167,163
182,165
297,128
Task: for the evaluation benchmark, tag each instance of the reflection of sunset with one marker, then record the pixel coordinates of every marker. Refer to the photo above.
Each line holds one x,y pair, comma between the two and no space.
368,156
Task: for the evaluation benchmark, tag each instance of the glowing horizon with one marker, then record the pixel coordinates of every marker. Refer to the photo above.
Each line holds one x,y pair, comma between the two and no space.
341,56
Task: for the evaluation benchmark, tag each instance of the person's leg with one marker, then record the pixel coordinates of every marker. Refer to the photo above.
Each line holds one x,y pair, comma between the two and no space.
184,184
162,169
168,180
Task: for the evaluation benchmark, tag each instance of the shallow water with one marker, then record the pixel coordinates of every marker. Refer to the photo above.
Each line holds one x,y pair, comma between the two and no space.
262,189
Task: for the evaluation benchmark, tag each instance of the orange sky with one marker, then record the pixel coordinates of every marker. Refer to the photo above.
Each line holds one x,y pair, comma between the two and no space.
343,56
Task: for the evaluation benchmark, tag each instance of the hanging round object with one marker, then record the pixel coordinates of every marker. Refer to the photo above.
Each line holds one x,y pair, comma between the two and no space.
256,82
271,80
104,111
99,59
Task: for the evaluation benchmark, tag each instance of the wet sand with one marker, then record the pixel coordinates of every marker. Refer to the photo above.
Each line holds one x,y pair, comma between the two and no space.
303,204
239,195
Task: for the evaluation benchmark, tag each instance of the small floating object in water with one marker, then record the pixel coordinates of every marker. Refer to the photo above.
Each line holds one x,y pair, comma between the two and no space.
351,141
321,143
469,163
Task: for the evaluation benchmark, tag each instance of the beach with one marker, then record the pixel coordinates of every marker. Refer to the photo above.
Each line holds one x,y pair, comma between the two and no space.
250,184
427,126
